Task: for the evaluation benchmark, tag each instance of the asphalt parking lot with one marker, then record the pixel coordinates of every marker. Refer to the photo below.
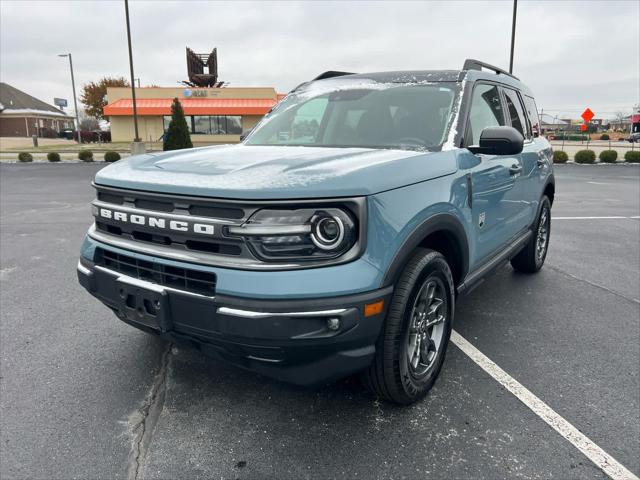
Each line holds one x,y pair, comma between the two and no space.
86,396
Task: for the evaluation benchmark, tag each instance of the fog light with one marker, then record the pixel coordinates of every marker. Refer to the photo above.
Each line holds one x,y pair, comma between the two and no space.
333,324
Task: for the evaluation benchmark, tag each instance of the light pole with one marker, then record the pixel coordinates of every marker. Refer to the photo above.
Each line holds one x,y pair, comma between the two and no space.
513,34
138,146
75,101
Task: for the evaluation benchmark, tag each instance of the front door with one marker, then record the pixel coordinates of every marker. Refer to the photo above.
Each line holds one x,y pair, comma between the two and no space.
494,178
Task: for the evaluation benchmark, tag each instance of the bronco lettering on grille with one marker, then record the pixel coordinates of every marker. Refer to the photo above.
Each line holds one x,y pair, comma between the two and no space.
156,222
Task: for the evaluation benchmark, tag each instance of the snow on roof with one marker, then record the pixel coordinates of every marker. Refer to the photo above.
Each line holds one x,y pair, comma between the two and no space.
32,111
17,101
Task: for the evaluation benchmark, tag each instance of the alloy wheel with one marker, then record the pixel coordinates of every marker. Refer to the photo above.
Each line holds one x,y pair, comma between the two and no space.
426,330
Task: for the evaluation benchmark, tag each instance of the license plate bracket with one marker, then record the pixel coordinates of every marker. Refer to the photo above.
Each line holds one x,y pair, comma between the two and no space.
143,302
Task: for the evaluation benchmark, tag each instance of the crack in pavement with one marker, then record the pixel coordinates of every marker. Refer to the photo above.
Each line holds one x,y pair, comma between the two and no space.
575,277
142,423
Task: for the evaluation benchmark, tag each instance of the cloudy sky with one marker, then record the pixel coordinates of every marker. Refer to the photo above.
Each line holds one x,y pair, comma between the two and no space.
572,54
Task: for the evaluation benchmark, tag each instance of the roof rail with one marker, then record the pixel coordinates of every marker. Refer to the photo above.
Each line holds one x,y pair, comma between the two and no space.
471,64
331,74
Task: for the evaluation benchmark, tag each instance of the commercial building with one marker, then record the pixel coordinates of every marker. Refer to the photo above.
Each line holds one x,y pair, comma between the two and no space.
22,115
214,115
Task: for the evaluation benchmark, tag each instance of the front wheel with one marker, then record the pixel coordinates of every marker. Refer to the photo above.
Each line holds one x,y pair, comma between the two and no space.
532,256
412,346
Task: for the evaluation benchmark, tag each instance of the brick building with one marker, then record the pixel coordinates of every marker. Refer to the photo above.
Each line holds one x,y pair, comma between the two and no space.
22,115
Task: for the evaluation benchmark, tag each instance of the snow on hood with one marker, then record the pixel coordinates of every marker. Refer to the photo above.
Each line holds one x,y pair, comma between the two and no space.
262,172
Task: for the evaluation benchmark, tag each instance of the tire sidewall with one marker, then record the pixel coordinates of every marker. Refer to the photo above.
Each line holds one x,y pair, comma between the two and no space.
545,204
417,387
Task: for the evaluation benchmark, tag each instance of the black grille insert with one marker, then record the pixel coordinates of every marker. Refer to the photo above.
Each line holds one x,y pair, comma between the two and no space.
195,281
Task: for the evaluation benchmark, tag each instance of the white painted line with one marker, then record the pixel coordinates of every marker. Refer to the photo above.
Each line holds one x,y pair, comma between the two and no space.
589,218
598,183
593,452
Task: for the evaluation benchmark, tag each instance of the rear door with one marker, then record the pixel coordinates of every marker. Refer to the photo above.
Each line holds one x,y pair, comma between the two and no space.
524,165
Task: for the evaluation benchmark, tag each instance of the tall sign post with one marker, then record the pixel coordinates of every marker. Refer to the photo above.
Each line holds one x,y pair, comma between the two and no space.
137,146
75,101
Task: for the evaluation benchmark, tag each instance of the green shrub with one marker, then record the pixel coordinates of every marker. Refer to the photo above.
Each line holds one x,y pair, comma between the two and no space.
608,156
53,157
111,156
604,136
25,157
177,135
85,155
560,157
570,137
585,156
632,156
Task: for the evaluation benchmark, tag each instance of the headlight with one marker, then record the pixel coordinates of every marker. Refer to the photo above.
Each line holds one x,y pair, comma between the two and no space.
302,234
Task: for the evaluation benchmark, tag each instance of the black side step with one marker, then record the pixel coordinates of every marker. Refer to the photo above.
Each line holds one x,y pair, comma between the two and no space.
476,277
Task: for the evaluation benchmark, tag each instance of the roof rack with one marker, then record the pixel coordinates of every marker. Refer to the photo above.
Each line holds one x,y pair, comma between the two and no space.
471,64
331,74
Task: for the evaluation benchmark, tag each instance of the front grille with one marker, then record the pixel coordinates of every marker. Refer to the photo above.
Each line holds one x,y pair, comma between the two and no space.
172,204
226,213
195,281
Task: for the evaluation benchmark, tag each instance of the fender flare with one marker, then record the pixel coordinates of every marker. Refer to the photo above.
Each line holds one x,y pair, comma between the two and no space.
551,180
440,222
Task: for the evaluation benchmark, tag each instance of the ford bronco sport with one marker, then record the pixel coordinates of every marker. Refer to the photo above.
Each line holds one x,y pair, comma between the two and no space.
337,236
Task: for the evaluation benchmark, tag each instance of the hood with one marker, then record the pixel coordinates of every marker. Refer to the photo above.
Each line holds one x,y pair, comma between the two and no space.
278,172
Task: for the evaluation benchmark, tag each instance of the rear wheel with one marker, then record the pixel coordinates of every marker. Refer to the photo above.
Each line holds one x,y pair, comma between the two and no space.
412,346
532,256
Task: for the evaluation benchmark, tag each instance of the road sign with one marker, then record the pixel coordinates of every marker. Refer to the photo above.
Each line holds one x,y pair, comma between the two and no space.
60,102
583,127
587,115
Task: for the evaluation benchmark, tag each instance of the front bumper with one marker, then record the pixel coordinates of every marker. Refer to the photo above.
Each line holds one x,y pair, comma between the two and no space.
290,340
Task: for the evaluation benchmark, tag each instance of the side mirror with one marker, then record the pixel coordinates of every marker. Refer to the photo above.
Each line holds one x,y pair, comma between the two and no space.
499,141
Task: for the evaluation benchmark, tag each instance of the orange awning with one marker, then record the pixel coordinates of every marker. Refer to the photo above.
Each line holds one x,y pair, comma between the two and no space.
192,106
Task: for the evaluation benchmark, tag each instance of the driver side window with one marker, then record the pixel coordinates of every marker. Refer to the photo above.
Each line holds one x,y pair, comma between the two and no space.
306,123
486,111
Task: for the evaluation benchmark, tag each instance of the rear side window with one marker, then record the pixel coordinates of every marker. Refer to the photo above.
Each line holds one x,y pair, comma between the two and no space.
516,112
486,111
532,113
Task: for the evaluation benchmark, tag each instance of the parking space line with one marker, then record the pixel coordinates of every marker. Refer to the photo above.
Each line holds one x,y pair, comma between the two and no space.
590,218
593,452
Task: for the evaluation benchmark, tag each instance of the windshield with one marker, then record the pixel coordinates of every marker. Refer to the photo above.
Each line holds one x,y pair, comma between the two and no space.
357,113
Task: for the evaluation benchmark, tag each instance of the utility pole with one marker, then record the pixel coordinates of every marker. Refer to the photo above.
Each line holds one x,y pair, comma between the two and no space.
513,34
75,101
137,146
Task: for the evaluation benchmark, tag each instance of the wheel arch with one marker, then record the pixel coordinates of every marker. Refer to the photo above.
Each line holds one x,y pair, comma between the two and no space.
550,188
442,232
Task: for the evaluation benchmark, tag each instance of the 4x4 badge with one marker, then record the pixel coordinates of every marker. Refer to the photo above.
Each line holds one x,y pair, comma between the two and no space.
481,219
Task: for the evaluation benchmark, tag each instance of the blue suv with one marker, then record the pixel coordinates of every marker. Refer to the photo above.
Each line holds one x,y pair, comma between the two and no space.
337,236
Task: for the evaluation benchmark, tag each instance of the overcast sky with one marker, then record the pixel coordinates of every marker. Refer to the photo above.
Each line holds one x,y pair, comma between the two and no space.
572,54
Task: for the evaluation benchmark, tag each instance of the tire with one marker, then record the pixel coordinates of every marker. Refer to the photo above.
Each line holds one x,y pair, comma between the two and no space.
531,258
392,376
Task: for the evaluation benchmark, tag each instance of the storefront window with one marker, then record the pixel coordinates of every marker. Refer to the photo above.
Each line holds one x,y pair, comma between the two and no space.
167,119
210,125
201,125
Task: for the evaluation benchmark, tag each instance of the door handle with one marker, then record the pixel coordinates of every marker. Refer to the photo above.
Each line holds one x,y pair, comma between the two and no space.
515,168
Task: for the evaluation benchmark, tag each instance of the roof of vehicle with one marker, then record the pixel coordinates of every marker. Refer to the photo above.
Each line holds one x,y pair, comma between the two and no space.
425,76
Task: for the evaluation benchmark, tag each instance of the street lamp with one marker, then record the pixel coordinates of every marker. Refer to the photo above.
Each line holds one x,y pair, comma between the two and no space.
75,101
513,34
138,146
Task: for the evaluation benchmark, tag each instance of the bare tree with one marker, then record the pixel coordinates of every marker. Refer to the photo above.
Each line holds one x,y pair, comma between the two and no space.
620,116
89,124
